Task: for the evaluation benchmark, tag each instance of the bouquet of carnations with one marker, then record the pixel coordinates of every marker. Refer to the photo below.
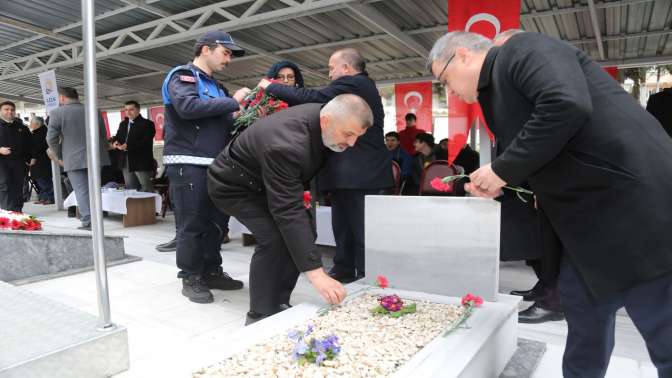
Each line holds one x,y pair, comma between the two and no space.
13,220
257,104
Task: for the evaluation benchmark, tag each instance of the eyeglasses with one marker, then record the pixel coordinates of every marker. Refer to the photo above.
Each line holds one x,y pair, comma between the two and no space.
444,70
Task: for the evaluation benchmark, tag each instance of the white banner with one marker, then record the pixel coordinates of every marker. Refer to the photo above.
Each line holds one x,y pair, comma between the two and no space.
49,90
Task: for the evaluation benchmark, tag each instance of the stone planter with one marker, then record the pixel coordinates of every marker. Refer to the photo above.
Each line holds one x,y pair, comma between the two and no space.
480,349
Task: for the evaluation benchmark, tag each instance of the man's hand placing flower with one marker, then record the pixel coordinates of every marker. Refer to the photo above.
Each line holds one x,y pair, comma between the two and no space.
485,183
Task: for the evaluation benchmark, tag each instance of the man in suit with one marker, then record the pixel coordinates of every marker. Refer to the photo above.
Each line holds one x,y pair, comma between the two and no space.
14,157
260,178
66,136
601,170
135,138
361,170
660,105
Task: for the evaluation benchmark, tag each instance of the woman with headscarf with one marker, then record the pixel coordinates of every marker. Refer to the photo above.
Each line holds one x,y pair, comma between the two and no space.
287,73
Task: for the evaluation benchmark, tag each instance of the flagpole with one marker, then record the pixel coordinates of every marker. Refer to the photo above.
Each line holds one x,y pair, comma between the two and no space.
93,163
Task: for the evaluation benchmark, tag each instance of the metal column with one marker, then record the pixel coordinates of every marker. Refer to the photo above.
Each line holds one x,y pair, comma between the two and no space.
93,163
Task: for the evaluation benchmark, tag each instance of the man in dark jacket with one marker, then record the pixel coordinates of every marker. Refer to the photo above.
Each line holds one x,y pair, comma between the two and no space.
260,179
135,137
361,170
199,120
660,105
14,157
601,169
40,164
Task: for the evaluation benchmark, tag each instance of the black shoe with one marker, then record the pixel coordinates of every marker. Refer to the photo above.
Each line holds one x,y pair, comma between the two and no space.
253,317
72,212
221,280
343,277
170,246
536,314
531,295
194,288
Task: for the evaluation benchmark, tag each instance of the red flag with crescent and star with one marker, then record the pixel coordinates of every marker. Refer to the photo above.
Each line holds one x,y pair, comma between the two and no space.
488,18
156,115
414,98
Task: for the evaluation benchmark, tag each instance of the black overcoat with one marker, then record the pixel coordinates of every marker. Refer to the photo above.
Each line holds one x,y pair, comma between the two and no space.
140,143
600,165
368,164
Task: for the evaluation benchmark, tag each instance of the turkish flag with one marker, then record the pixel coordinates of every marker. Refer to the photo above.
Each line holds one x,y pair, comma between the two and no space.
488,18
612,71
107,124
414,98
156,115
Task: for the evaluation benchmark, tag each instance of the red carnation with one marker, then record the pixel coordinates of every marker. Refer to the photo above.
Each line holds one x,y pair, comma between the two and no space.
441,186
15,224
472,300
382,282
306,199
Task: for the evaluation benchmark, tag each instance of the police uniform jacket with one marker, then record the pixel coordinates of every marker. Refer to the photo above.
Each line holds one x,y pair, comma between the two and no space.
275,158
16,136
600,165
140,143
365,166
198,116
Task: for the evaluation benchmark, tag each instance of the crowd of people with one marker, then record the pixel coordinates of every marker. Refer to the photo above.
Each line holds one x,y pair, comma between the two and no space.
600,167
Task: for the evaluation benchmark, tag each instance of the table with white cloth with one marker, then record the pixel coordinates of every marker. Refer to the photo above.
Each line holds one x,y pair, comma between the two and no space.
138,208
325,235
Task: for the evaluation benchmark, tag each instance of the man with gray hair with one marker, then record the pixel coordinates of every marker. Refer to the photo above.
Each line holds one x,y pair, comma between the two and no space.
601,170
40,164
66,136
260,179
362,170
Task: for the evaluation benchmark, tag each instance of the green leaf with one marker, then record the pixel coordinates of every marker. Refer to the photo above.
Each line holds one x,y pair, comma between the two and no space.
395,314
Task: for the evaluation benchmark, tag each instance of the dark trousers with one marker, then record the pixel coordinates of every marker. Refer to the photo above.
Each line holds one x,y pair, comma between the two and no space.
590,338
46,188
12,176
547,268
273,273
199,224
347,221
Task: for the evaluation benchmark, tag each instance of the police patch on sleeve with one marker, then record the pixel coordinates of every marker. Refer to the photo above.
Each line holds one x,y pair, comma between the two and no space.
187,78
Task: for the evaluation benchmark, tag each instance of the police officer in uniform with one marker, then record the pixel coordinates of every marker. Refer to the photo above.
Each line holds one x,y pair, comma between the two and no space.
198,122
260,177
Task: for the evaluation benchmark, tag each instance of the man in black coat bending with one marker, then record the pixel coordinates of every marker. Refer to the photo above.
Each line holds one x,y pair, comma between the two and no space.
260,179
601,169
349,177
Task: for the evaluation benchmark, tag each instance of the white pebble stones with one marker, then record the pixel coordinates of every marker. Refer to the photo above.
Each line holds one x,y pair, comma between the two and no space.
371,345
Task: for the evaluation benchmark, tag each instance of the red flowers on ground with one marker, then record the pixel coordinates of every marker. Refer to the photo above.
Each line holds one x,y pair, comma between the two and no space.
441,186
472,300
382,282
12,220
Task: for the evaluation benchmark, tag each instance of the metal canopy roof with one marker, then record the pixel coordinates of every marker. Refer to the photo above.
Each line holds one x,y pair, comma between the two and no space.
139,40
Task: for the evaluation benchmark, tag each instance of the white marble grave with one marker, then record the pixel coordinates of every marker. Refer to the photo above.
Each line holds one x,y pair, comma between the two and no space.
480,350
440,245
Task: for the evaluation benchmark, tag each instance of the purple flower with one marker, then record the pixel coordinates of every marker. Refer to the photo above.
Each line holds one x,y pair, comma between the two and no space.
293,335
309,330
320,357
299,349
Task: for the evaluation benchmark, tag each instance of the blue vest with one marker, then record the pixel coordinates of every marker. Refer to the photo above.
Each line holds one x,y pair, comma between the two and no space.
207,87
